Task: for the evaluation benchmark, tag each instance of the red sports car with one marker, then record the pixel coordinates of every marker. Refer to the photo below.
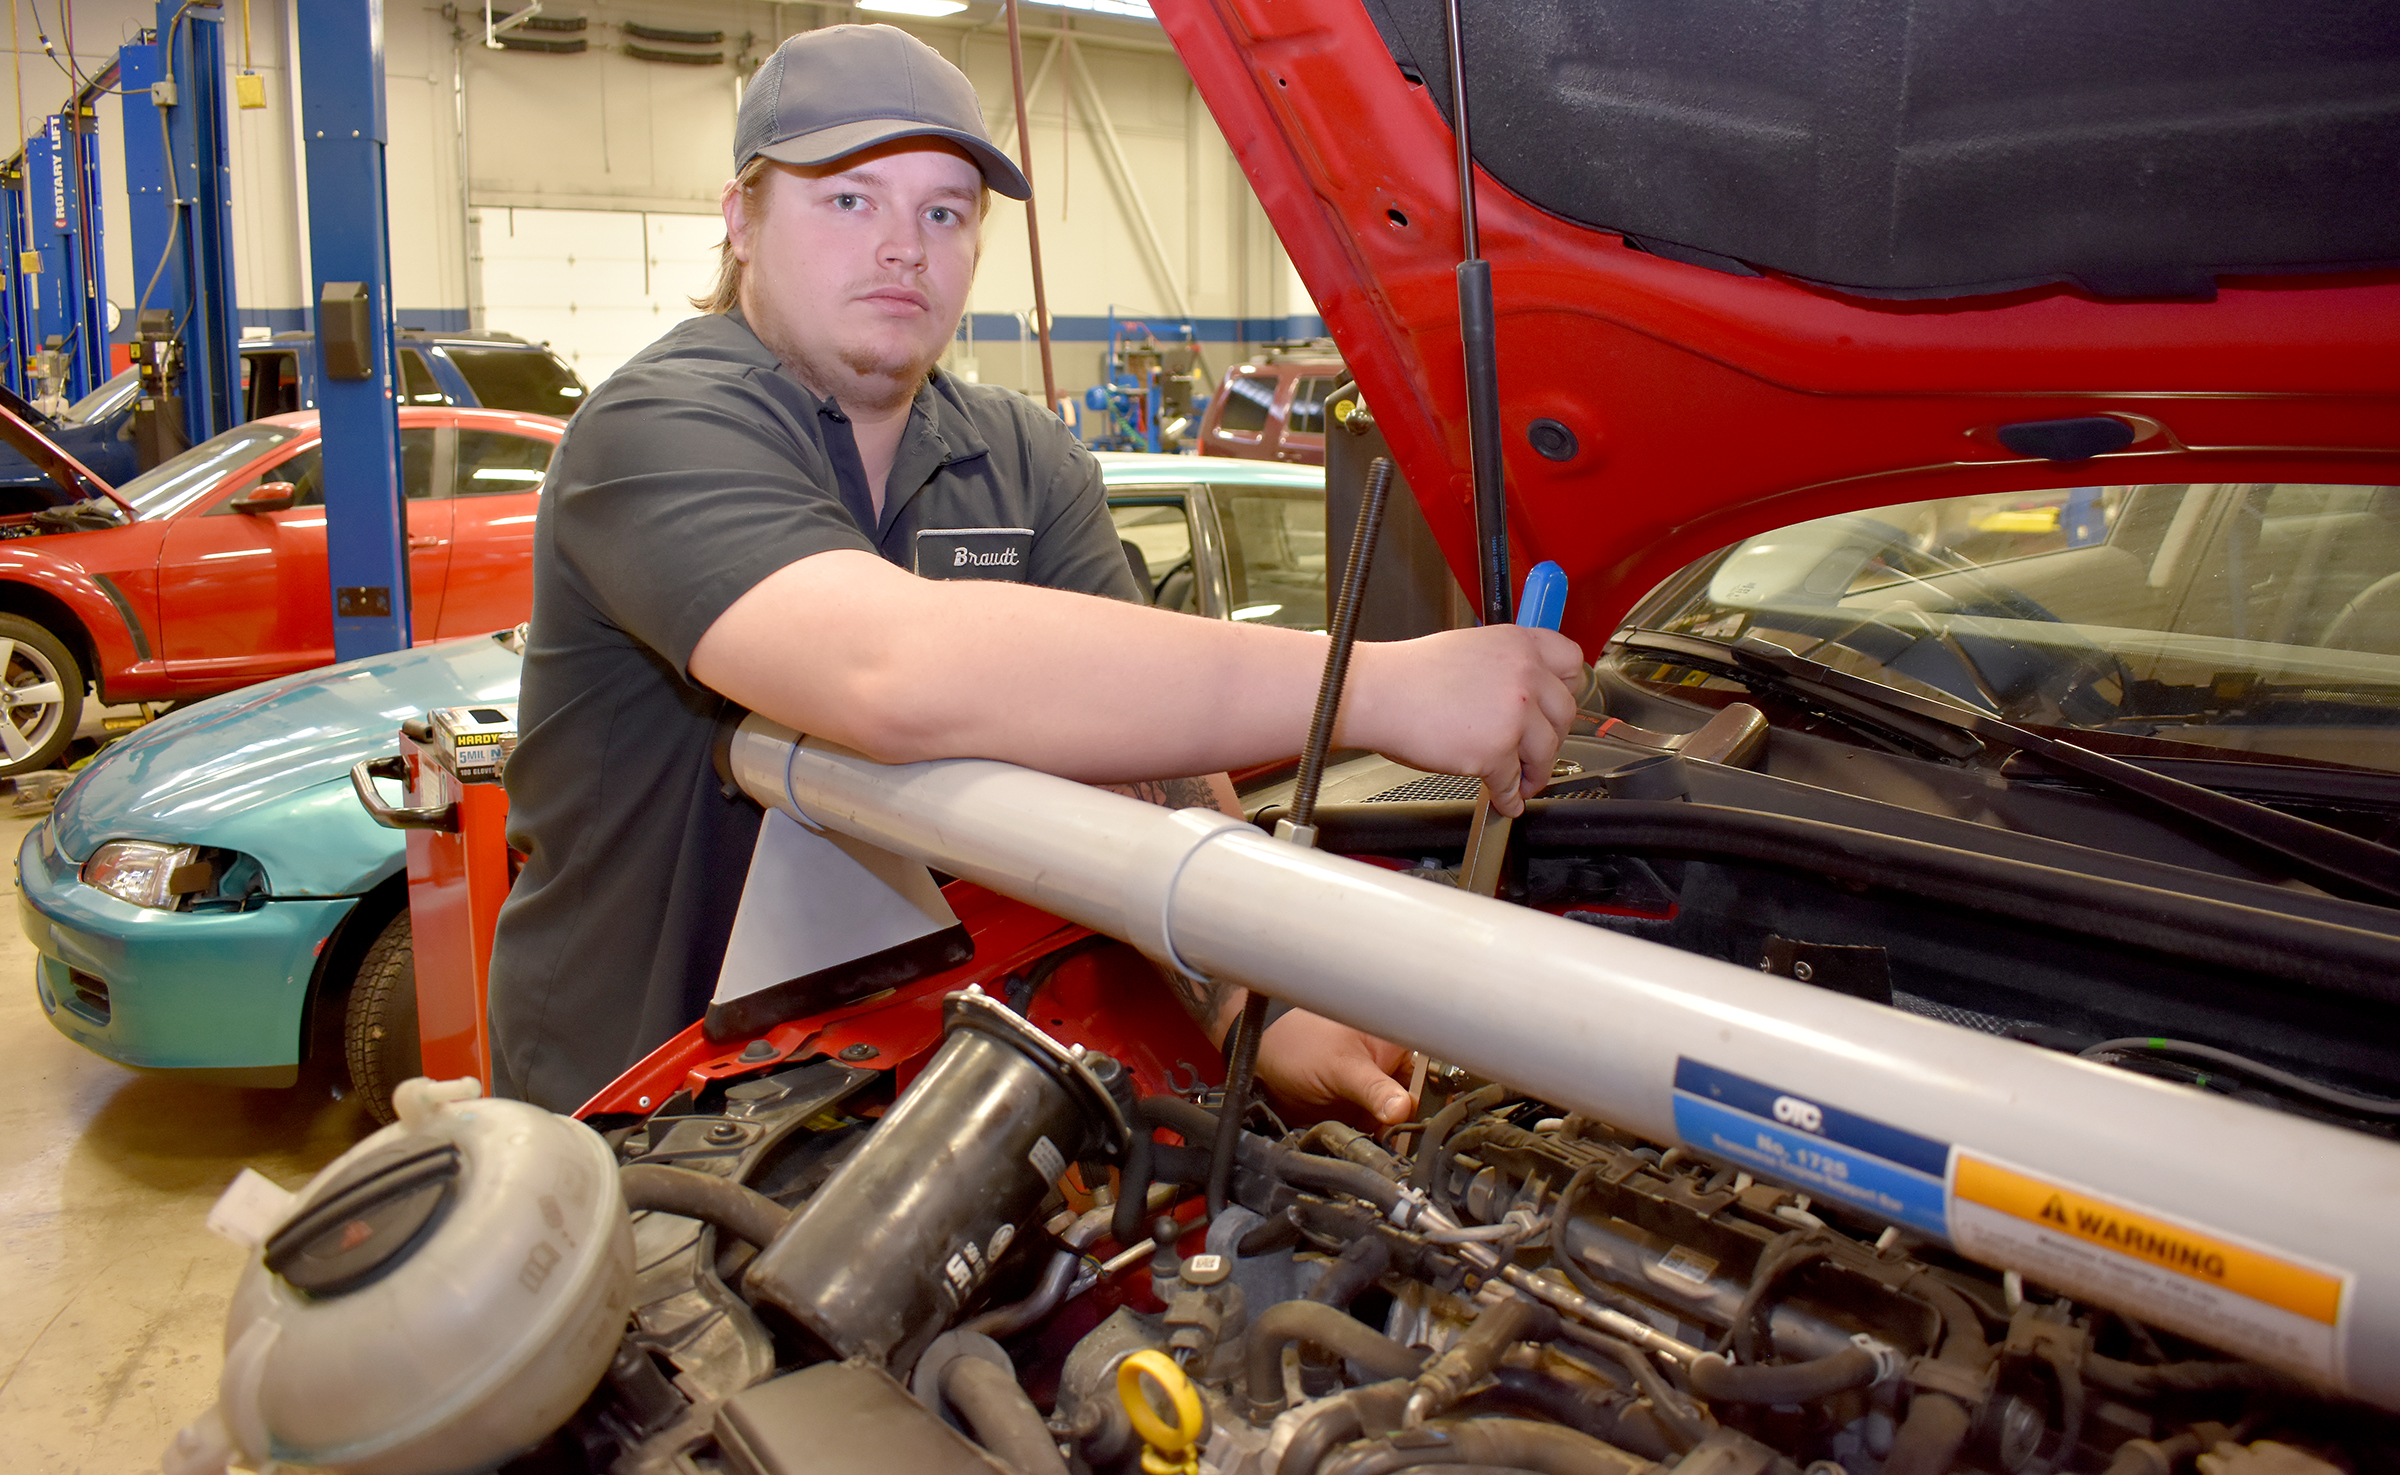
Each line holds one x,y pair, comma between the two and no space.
208,572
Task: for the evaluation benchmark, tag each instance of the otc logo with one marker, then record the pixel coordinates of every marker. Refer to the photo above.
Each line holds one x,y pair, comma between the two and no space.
1794,1112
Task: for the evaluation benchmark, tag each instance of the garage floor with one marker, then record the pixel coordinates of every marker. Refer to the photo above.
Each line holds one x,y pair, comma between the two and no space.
112,1292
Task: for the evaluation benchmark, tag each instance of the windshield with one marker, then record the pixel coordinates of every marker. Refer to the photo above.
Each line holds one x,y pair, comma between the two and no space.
105,401
175,483
2247,617
529,379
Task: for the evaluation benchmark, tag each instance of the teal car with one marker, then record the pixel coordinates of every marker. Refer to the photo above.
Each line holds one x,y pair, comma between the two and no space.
207,891
208,894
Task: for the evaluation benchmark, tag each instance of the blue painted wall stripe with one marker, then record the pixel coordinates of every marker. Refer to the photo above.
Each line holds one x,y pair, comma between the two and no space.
1070,328
988,327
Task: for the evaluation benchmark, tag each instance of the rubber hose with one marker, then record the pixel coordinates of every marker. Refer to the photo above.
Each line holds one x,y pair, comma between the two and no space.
1483,1098
1747,1334
1621,1422
1241,1066
742,1212
1685,1424
1004,1321
1003,1419
1149,1161
1719,1381
1929,1439
1337,1420
1270,1237
1962,1328
1330,1175
1471,1358
1361,1264
1300,1169
1133,1187
1562,1213
1173,1163
1515,1444
1340,1139
1328,1328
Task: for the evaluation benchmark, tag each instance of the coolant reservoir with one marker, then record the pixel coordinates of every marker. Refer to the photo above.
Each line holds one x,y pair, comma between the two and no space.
440,1297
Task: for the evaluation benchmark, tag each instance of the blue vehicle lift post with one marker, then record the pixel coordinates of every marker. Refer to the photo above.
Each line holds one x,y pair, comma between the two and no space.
178,183
48,290
342,122
63,170
16,299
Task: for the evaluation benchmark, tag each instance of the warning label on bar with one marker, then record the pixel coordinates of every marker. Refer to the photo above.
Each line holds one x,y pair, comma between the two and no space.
2252,1302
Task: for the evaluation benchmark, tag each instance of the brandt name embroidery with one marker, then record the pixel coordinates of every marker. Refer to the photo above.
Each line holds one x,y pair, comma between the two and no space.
974,553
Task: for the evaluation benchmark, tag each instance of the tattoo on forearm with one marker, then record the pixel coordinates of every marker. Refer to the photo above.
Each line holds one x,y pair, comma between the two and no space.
1171,793
1200,998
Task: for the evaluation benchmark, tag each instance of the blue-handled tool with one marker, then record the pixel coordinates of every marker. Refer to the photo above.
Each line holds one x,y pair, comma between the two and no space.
1544,602
1541,606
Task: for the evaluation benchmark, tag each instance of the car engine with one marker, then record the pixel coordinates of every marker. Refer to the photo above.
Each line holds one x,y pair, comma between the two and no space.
1001,1263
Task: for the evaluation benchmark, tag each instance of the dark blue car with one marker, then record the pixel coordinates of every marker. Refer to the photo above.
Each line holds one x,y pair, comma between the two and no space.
498,371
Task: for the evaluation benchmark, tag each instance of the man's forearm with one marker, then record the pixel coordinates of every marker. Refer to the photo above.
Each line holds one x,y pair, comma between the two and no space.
1213,792
904,669
846,646
1212,1006
1169,793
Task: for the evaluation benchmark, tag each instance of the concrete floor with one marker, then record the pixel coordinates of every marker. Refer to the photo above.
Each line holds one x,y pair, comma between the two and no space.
112,1291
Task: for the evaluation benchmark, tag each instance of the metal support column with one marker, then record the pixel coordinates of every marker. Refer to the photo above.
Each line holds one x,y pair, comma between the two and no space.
91,305
73,322
197,285
17,296
45,217
342,123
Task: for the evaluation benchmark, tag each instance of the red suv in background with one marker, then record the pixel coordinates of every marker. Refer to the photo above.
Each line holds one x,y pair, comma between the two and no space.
1273,408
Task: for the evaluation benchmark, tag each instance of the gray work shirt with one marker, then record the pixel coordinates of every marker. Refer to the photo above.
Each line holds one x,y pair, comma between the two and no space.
694,472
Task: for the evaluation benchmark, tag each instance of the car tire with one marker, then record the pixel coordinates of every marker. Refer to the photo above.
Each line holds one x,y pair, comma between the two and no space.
41,696
379,1028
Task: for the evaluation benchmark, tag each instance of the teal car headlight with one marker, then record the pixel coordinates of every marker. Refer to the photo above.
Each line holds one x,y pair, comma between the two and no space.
171,878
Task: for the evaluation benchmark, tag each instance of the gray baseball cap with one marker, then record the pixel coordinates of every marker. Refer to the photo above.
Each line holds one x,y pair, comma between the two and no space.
826,94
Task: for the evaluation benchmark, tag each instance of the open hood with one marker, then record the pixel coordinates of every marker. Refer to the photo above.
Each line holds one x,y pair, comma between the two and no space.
1766,264
25,430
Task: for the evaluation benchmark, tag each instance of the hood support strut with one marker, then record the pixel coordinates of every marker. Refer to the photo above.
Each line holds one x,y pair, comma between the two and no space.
1475,333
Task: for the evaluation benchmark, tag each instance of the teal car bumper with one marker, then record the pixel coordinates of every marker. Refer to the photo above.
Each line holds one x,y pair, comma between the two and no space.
217,991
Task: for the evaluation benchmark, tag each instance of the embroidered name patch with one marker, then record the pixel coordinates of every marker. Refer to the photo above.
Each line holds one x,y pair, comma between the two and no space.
974,553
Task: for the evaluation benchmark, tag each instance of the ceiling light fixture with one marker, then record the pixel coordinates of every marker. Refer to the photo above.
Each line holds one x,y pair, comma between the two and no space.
1137,9
914,7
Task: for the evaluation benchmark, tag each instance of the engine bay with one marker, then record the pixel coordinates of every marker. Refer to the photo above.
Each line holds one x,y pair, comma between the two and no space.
1499,1284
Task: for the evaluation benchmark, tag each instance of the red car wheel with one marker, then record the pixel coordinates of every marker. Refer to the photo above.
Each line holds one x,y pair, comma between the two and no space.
41,696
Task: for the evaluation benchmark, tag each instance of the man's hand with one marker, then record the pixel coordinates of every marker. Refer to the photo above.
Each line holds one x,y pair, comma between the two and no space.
1492,702
1316,1062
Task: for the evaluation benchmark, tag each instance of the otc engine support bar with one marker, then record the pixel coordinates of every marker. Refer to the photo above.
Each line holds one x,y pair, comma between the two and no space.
2112,1188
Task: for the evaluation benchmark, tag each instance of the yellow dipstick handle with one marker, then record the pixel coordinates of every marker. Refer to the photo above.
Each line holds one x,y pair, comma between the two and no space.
1173,1448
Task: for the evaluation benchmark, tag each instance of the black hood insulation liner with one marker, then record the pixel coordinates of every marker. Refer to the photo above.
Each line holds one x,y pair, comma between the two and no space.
1943,148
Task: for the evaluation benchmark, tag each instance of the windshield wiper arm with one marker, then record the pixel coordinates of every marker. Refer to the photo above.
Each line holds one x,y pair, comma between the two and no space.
2336,860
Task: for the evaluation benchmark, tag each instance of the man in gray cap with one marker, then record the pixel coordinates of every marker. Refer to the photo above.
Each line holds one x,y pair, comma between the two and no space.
783,505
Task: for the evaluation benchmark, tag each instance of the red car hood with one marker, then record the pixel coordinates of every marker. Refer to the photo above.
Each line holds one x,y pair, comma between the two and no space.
1707,405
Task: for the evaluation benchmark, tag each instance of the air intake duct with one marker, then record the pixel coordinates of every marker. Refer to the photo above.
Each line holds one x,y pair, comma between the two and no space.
903,1235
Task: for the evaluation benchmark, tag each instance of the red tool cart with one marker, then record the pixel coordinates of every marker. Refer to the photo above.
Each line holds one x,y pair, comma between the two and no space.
459,870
